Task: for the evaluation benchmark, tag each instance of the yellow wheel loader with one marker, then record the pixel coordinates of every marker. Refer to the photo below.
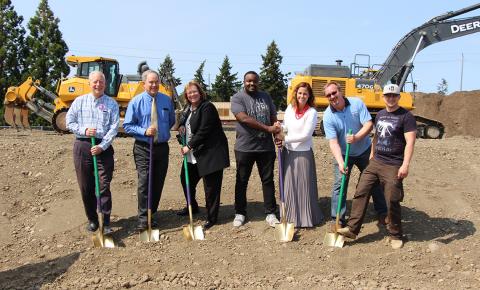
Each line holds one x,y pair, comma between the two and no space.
22,99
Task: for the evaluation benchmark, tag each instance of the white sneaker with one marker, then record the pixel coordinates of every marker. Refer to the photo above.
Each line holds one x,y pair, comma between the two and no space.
239,220
271,220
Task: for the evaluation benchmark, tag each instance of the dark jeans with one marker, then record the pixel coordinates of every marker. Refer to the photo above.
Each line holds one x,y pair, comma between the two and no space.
83,161
387,176
377,193
212,185
141,151
265,163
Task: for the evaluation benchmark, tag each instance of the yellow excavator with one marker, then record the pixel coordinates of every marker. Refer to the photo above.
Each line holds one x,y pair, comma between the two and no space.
22,99
366,82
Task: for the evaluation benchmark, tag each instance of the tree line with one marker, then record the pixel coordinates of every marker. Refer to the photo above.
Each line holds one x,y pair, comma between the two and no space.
41,55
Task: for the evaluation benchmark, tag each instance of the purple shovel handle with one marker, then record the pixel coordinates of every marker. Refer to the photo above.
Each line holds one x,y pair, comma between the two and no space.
150,174
280,173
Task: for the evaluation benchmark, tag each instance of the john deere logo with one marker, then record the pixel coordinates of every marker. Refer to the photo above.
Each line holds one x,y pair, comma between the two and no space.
71,89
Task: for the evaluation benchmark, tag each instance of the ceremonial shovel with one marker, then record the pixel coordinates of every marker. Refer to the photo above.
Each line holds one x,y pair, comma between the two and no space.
335,239
150,235
190,232
99,239
283,231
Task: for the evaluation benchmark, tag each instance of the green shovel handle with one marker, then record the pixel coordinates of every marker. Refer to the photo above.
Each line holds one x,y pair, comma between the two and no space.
344,177
95,171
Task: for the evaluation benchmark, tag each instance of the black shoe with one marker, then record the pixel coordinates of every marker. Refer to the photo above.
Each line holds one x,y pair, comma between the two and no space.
184,211
107,230
141,226
208,224
92,226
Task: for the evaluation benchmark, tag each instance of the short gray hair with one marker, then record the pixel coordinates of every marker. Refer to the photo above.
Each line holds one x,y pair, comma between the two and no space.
147,72
95,72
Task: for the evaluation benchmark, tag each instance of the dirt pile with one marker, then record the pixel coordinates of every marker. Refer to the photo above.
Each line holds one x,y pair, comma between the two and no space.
458,111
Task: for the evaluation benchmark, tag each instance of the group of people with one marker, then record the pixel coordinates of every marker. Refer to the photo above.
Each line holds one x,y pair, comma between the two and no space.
383,162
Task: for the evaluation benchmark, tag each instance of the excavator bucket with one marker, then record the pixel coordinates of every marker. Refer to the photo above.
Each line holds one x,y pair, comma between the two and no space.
24,118
9,114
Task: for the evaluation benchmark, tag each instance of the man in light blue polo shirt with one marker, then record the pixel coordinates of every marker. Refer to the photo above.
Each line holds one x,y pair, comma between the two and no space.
150,115
342,115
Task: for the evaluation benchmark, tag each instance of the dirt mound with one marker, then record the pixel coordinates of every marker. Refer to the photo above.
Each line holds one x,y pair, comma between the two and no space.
457,111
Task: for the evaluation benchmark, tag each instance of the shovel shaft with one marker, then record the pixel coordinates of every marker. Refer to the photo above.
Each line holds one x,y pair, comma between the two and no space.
342,185
97,179
185,166
150,177
280,174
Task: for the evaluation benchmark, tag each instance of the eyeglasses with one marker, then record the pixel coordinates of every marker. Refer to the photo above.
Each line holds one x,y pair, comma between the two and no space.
331,94
391,95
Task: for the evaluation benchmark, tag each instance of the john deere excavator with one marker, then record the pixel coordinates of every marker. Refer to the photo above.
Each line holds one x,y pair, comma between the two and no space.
22,99
366,82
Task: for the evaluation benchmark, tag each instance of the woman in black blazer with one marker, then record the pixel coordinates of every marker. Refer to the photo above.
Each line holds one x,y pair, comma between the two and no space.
206,150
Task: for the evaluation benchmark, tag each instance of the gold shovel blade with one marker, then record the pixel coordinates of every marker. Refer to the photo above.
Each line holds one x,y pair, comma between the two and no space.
150,235
191,233
102,241
334,240
284,232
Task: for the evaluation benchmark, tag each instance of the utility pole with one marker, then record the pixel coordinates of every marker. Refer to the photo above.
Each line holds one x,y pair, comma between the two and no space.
461,75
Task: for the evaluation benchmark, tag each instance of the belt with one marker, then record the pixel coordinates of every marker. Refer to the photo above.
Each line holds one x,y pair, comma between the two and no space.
85,139
146,144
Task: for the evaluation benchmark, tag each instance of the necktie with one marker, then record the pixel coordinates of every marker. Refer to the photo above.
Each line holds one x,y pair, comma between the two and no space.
153,119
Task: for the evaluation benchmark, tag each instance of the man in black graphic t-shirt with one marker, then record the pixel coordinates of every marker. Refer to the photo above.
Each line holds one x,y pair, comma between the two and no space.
392,150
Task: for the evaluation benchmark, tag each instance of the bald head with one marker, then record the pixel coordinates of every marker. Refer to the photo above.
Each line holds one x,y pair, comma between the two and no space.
96,81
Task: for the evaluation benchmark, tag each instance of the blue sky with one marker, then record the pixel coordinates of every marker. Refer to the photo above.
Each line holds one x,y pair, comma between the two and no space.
307,32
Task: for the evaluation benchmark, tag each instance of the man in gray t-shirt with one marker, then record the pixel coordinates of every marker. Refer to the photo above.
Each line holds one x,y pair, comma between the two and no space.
256,122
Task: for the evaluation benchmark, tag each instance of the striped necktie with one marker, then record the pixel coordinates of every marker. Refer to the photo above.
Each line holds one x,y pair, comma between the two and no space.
153,119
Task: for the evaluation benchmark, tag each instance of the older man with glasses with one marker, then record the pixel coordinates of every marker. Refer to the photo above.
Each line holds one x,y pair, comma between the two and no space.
342,115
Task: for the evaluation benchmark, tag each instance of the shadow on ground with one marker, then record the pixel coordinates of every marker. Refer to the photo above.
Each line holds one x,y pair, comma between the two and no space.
33,276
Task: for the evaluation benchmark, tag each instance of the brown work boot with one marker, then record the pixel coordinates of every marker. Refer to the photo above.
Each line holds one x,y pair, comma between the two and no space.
382,219
347,233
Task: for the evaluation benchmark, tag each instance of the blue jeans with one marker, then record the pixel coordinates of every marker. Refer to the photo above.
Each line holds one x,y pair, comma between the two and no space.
361,162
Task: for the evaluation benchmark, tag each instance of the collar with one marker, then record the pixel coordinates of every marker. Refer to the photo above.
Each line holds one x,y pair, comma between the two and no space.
347,103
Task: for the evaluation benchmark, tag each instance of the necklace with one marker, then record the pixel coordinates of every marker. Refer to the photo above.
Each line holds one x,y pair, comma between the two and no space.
299,115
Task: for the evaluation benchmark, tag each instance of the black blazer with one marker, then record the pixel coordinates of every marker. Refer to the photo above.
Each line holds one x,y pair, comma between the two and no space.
208,143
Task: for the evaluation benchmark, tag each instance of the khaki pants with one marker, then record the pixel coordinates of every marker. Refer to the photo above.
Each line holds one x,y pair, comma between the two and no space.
386,175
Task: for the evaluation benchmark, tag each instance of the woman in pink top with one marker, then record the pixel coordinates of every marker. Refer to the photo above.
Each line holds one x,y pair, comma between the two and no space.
300,177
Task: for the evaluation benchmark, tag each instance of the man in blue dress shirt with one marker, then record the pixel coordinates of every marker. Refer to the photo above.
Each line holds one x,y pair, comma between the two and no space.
94,115
150,115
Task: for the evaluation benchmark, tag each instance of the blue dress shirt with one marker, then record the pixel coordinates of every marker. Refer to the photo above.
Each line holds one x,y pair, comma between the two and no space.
138,116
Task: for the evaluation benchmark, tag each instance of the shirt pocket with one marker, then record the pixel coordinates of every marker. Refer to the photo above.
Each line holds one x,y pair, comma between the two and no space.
164,115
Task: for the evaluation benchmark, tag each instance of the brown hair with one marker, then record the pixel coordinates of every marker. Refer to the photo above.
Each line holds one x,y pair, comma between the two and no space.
332,83
203,96
311,97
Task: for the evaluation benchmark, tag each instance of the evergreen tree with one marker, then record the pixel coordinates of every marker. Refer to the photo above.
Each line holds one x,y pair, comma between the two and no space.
226,83
12,49
166,72
198,77
46,58
442,87
272,80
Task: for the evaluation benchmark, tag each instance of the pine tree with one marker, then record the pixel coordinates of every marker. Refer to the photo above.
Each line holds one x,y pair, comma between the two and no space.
166,72
442,87
46,58
226,83
198,77
272,80
12,49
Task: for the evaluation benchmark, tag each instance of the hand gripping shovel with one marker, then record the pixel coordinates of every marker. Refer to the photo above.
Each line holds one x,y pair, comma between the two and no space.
283,231
335,239
150,235
99,239
190,232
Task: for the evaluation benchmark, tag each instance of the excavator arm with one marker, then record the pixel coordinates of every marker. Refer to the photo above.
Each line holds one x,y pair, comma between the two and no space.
399,63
